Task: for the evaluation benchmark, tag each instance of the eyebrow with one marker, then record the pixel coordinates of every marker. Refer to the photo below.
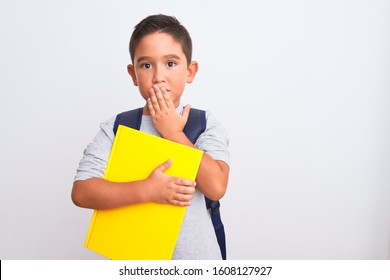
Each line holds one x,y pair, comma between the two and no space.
168,56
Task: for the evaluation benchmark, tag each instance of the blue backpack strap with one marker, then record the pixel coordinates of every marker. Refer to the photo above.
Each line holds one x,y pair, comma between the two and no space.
217,223
195,126
130,118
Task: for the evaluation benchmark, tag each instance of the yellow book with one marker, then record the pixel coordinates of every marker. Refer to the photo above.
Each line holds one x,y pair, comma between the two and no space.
143,231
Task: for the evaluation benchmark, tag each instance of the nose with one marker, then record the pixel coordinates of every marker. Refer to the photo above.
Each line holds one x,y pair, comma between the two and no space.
158,75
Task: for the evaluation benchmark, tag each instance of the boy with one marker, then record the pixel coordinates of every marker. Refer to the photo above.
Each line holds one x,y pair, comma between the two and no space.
161,50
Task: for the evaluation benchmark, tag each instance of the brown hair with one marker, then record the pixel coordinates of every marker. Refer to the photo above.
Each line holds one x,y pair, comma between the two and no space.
165,24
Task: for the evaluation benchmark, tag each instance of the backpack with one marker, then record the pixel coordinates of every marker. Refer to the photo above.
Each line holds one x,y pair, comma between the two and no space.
196,125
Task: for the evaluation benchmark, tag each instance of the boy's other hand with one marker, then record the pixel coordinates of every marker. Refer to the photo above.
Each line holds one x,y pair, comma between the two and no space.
166,119
167,189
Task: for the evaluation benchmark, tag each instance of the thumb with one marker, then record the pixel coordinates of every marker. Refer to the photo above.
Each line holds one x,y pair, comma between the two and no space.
186,111
164,166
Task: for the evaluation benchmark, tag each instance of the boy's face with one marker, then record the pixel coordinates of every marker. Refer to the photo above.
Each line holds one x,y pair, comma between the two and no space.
159,59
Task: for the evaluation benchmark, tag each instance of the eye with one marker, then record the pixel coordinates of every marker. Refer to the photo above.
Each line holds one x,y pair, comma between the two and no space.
171,64
146,65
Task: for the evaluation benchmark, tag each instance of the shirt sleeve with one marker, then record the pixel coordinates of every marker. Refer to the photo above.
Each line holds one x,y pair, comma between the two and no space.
214,140
94,161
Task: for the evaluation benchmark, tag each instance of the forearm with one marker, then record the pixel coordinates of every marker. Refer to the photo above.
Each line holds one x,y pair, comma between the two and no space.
212,177
98,193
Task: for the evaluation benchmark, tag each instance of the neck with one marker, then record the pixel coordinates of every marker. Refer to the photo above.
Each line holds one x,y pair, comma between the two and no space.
146,111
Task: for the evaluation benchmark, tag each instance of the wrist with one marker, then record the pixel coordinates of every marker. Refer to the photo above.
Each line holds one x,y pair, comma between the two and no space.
147,191
171,135
141,191
178,137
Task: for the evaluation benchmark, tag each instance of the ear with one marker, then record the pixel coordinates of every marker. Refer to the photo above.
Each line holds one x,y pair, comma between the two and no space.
131,71
191,71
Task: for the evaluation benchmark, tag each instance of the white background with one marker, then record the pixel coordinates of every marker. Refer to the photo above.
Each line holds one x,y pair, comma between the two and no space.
301,86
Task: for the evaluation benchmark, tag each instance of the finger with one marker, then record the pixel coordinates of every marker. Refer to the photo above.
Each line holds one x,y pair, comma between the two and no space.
160,97
150,107
186,112
186,190
182,190
185,182
183,197
180,203
167,98
164,166
153,99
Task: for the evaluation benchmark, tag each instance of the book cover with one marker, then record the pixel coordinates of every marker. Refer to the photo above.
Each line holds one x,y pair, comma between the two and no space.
143,231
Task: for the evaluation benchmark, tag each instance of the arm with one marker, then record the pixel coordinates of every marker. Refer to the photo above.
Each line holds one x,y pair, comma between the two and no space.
98,193
212,177
213,174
